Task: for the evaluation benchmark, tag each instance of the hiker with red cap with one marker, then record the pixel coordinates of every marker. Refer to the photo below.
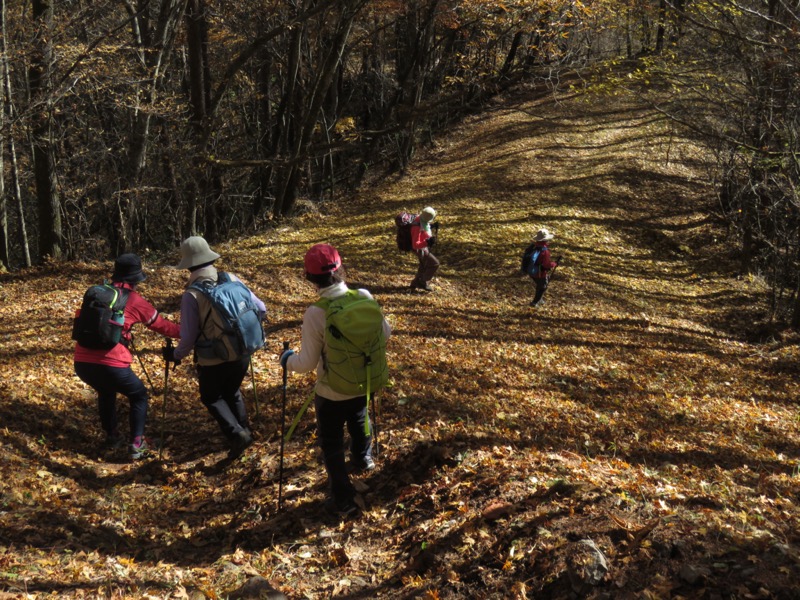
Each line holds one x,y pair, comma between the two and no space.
339,399
108,369
221,367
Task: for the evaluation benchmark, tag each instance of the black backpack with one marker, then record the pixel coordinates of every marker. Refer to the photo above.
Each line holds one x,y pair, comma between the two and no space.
403,222
98,325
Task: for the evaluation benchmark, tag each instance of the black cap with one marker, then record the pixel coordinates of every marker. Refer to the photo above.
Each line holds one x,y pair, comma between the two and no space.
128,269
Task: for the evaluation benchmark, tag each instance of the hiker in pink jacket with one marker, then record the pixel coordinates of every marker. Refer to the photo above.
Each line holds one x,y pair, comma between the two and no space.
109,371
422,240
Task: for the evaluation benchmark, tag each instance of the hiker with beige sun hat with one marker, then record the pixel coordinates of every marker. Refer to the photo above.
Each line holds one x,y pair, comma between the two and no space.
537,264
221,365
422,240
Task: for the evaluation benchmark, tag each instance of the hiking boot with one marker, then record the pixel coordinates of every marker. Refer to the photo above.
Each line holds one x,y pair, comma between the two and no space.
342,509
361,466
421,286
534,303
240,442
142,448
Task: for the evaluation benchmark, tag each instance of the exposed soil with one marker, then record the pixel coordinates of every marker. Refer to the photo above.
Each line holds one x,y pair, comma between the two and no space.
630,410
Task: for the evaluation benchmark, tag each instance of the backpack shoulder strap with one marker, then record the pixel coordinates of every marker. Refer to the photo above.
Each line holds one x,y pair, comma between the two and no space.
121,299
325,303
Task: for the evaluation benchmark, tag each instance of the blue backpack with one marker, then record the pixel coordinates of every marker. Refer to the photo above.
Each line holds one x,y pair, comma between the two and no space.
531,260
235,329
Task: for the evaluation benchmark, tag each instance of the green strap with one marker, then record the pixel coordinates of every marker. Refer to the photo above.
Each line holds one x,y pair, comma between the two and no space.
369,391
297,418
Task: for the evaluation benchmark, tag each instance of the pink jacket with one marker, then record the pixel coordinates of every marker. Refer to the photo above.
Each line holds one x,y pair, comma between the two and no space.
544,261
137,310
419,237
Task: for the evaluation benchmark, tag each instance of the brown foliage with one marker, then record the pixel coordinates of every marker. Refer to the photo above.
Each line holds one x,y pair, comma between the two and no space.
629,410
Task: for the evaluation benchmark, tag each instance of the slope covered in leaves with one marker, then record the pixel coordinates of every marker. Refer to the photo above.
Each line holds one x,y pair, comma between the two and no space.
630,410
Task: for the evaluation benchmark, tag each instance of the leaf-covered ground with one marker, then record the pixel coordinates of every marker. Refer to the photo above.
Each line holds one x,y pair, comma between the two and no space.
630,410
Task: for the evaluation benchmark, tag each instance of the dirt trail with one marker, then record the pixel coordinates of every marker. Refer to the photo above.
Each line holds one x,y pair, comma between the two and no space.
628,410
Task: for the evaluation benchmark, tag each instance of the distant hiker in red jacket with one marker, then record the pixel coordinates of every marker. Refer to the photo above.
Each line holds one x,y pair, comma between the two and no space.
109,371
422,240
537,264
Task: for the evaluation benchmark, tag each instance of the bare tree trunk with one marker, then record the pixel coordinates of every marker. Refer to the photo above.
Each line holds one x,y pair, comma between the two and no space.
325,76
290,175
39,78
5,259
416,79
207,183
8,113
265,133
153,48
512,53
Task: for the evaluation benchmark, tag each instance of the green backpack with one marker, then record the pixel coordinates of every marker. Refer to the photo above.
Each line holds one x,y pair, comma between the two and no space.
356,356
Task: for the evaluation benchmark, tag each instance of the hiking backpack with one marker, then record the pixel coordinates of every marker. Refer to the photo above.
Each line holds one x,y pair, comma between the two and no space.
356,345
98,324
531,260
235,329
403,222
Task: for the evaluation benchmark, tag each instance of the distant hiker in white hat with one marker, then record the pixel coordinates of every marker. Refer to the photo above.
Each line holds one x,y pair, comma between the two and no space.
537,264
422,240
222,361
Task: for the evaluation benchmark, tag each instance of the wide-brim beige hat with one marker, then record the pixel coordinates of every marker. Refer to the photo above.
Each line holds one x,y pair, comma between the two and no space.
543,235
195,252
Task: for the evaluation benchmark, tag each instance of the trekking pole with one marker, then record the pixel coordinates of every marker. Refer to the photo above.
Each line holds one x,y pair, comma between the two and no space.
253,379
141,364
283,426
553,272
168,344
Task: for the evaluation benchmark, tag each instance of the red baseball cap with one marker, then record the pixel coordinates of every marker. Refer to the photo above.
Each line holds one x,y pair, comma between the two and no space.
322,259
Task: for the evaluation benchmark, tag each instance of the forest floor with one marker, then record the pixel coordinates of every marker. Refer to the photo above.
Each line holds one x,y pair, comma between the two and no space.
639,408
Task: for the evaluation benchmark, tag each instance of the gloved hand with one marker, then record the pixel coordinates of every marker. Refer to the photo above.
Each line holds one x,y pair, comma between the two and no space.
168,352
431,241
285,357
